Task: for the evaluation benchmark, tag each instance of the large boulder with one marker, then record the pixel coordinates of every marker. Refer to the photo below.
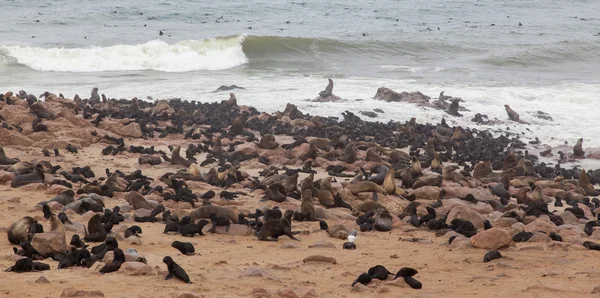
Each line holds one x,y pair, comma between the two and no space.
17,115
13,138
492,239
542,224
49,243
464,213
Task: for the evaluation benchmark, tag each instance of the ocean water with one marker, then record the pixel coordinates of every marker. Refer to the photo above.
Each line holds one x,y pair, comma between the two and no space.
284,51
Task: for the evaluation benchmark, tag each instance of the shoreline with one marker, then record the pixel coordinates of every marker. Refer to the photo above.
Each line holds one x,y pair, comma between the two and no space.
234,136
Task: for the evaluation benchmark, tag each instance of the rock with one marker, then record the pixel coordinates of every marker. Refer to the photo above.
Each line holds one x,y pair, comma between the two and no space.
257,271
287,293
320,258
176,205
596,290
246,149
13,138
55,189
34,187
390,95
539,237
234,230
541,224
71,292
17,115
302,292
187,295
516,228
289,245
49,242
504,222
6,177
15,200
55,206
491,239
460,242
76,228
134,240
108,257
322,244
131,130
42,280
136,268
141,212
465,213
569,218
427,193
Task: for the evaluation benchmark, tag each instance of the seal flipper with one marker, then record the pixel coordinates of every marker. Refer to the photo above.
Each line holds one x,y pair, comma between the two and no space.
169,276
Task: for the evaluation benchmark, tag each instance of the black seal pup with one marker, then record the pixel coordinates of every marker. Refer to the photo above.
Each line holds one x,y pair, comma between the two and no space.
175,270
185,248
491,255
277,228
118,260
219,221
408,273
133,230
191,229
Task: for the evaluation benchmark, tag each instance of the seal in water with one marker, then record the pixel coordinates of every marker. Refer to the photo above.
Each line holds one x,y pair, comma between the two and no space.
277,228
227,88
175,270
512,115
185,248
328,90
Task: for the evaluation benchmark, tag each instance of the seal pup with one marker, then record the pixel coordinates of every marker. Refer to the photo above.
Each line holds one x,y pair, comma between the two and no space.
22,229
185,248
97,232
276,228
27,265
132,231
307,205
408,273
578,148
276,192
219,221
115,265
512,115
379,272
191,229
268,142
328,90
364,278
491,255
175,270
349,155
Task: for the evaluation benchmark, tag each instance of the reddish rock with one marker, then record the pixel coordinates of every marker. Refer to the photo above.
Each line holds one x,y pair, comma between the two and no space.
6,177
426,193
72,292
49,242
13,138
491,239
55,189
136,268
17,115
541,224
465,213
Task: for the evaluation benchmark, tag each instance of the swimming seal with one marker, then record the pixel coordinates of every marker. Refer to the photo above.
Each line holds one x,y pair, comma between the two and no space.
175,270
512,115
307,205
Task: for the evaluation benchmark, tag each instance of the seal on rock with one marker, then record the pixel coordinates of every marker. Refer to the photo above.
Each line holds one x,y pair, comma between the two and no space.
512,115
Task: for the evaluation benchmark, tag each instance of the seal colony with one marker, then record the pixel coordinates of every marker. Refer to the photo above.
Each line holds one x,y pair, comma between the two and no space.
203,191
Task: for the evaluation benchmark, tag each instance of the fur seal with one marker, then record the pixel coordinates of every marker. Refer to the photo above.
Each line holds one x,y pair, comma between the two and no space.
307,183
373,156
383,221
4,160
189,230
176,158
37,176
65,197
415,167
132,231
381,171
364,278
270,231
389,183
27,265
221,221
584,183
338,231
97,232
453,108
175,270
349,155
482,169
268,142
22,229
206,211
137,201
276,192
408,273
491,255
328,90
237,126
115,265
185,248
149,159
366,206
308,206
326,197
578,148
310,154
364,186
512,115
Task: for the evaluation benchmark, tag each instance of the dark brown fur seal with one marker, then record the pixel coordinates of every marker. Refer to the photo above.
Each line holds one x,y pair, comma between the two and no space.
276,192
428,180
482,169
584,183
206,211
113,183
237,126
326,197
21,230
95,231
578,148
328,90
268,142
512,115
415,167
383,221
389,183
368,206
307,183
271,230
430,149
37,176
308,205
40,110
381,171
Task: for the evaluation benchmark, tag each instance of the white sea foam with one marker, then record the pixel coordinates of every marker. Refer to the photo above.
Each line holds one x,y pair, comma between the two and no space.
183,56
